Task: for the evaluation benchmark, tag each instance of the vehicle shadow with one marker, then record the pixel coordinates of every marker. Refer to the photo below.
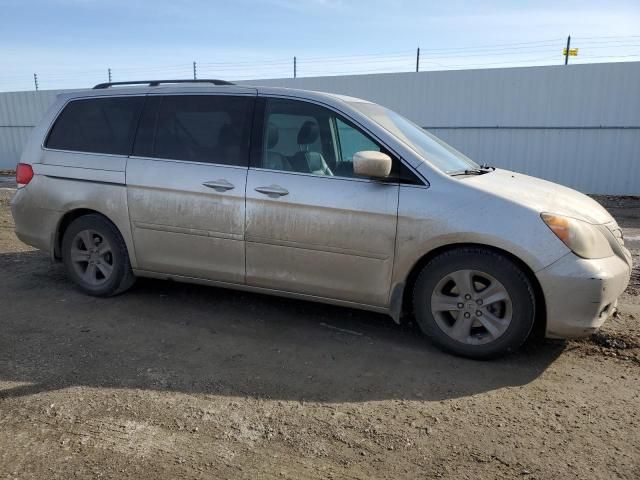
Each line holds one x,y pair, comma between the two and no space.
195,339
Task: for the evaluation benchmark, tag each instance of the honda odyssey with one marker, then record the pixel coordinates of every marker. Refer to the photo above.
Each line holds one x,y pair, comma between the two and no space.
314,196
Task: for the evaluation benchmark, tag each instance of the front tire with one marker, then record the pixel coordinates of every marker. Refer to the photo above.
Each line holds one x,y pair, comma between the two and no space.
474,302
95,256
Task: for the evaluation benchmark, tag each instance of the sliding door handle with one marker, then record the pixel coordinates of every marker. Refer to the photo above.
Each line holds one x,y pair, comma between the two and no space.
220,185
273,191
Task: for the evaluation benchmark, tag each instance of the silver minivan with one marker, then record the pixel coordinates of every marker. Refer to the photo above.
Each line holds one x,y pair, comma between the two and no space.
314,196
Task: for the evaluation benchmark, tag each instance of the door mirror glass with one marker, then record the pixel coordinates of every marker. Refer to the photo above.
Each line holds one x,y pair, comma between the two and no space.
372,164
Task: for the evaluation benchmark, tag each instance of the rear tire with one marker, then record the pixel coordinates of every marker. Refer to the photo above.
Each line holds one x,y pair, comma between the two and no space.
474,302
95,256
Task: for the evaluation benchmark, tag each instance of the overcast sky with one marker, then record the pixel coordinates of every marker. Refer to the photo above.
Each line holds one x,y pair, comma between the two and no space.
71,43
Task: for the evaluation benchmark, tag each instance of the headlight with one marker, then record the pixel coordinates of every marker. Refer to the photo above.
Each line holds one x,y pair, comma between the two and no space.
582,238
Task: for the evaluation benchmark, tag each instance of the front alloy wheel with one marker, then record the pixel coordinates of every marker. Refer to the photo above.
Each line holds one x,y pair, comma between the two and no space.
475,302
472,307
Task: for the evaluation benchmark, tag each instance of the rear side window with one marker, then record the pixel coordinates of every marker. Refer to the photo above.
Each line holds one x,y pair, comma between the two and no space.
97,125
198,128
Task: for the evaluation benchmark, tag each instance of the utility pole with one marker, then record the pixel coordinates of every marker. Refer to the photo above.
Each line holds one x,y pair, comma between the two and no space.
295,67
418,60
195,77
35,80
109,74
566,53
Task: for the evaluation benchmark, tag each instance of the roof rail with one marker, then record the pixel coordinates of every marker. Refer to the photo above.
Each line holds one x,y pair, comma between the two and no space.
155,83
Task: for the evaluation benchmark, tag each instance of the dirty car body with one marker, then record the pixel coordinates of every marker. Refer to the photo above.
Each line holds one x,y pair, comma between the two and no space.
261,189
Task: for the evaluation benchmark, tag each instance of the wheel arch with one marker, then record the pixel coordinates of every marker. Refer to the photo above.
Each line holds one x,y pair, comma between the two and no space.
406,306
64,223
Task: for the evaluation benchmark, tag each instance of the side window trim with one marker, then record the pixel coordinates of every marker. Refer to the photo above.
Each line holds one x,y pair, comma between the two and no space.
257,138
154,129
135,133
337,147
143,148
257,142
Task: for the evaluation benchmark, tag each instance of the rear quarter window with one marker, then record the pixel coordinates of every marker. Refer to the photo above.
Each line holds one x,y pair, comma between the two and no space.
97,125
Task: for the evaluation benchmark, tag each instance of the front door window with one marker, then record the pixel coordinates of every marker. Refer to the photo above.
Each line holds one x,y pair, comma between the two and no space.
306,138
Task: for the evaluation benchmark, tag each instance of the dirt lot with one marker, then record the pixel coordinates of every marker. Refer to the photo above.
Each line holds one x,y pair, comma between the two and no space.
181,381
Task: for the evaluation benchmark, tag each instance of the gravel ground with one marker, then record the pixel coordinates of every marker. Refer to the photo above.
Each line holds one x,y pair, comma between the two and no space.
184,381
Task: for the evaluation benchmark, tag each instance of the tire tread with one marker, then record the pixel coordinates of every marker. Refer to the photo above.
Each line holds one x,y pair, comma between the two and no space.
474,251
128,278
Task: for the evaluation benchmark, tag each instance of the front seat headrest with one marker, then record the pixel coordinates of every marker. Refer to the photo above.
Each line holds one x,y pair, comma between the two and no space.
308,133
273,135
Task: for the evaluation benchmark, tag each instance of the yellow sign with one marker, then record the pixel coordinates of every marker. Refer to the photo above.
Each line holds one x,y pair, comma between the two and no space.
573,52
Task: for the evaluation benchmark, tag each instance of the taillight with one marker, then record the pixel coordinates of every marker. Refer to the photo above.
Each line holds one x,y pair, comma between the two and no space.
24,174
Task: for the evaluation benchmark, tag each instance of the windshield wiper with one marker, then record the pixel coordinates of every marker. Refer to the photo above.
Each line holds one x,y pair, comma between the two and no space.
473,171
482,169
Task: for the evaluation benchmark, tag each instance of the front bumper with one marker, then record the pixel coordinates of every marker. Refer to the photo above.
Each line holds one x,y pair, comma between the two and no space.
580,294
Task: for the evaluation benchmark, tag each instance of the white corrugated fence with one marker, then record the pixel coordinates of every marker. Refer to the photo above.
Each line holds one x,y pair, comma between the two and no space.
578,125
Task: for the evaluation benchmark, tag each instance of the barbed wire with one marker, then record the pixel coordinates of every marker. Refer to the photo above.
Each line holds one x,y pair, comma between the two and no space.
542,52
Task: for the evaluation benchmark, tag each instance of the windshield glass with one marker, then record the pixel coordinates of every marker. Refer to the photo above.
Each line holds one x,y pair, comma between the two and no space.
434,150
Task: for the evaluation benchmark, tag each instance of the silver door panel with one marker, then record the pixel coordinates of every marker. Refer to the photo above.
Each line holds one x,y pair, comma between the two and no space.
326,236
182,226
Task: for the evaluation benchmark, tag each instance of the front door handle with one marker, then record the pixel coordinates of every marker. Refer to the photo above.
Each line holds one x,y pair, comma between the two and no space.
220,185
273,191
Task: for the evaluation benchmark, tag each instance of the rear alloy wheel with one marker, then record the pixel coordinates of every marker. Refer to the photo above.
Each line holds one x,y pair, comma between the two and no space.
95,256
92,257
474,302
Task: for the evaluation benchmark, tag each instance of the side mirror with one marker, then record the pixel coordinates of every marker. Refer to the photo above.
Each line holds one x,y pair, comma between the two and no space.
372,164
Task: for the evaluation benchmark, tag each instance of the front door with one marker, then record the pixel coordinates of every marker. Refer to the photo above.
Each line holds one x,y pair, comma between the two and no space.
186,184
312,226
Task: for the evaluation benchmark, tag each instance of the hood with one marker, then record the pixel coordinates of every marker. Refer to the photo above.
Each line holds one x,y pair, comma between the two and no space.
540,195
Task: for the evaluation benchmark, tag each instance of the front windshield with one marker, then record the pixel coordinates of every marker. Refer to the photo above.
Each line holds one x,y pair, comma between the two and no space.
434,150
